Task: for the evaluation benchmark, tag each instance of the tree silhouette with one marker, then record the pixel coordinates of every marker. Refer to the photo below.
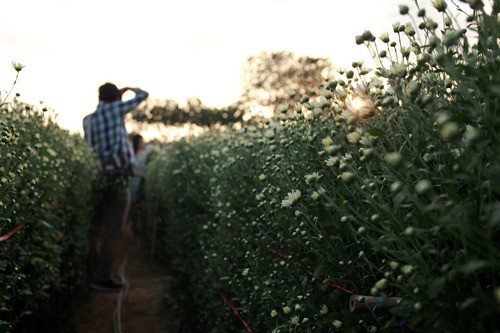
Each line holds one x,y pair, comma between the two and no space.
169,113
272,79
269,80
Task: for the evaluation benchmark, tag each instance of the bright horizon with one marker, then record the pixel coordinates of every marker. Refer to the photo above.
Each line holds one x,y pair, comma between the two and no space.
174,50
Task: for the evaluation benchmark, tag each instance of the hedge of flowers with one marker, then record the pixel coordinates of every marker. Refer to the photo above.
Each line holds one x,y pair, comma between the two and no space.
379,183
46,181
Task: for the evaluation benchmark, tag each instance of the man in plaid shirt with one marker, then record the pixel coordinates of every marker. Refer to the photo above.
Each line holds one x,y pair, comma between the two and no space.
106,133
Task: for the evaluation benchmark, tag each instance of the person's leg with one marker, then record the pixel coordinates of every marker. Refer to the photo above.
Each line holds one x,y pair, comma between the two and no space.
136,217
115,206
127,230
95,227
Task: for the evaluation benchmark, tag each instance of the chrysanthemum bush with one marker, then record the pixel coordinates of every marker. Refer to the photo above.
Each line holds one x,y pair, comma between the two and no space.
384,183
46,182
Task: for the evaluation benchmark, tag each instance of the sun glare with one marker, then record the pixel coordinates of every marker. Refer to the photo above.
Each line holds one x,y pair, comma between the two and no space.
357,103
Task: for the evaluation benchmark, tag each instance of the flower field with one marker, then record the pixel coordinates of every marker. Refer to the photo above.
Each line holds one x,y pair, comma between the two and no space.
379,183
371,204
46,183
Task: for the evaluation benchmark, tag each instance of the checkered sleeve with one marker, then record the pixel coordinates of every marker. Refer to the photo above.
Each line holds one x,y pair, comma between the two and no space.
126,106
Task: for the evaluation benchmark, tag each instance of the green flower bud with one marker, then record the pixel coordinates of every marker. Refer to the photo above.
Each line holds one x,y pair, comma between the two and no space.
367,36
368,152
403,10
475,4
394,265
348,177
451,38
440,5
431,25
426,99
410,30
450,131
396,26
394,159
496,292
423,186
407,269
17,67
331,85
381,284
385,38
409,231
396,186
472,134
442,118
413,88
433,41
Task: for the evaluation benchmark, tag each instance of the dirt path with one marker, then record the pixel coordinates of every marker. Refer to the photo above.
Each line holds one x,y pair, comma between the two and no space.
142,308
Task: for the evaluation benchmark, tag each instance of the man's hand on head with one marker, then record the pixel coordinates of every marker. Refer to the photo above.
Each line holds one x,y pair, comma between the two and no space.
124,90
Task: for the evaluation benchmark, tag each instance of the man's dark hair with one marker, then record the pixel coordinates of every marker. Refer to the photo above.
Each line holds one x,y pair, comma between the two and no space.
109,92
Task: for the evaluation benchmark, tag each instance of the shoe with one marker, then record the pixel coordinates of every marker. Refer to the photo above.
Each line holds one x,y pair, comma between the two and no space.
106,285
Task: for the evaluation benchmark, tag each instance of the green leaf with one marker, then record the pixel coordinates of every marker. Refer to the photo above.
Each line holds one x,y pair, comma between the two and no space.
319,271
376,132
304,282
495,214
436,286
327,219
402,310
468,302
494,176
473,266
47,225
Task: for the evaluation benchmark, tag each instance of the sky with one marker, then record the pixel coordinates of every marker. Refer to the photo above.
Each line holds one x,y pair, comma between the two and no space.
172,49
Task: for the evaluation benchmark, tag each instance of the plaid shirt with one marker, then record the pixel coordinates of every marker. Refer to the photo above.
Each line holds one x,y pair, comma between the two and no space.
109,136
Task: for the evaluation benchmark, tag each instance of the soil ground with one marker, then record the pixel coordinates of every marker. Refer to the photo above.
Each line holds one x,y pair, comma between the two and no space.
143,309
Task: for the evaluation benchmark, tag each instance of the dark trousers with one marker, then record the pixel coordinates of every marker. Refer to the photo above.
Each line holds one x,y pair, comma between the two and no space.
106,229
